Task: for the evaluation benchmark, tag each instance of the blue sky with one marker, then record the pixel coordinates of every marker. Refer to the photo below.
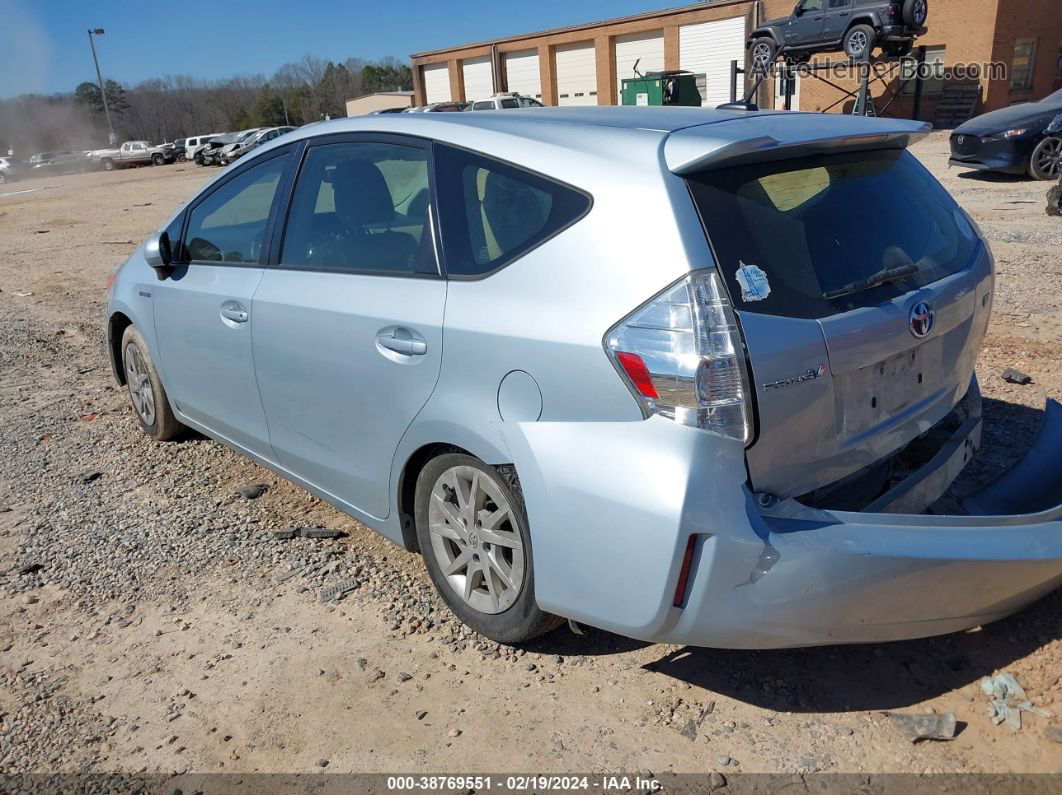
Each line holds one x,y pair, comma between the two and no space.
45,46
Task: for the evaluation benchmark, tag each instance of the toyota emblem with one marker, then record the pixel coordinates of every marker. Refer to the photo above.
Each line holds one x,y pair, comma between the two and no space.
921,319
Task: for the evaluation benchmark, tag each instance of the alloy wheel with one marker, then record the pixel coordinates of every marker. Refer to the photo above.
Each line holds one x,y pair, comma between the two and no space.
921,11
761,56
476,540
1049,158
857,44
139,383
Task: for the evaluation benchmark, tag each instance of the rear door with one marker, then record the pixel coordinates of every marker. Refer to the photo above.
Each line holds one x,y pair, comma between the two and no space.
348,324
203,316
848,363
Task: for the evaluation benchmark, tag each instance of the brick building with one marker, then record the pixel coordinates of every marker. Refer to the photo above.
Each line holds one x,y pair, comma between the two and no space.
584,64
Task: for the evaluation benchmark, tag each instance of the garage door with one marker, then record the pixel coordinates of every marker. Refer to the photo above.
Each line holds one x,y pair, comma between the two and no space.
644,49
437,83
707,49
521,73
479,83
576,75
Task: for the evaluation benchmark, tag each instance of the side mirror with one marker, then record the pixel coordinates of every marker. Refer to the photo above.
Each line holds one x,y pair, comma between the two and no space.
158,254
798,10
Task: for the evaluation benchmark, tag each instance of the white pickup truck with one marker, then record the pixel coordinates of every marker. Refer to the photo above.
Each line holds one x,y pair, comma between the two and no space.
133,153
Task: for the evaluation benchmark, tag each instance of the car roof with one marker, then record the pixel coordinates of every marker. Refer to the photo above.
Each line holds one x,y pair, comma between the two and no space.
694,138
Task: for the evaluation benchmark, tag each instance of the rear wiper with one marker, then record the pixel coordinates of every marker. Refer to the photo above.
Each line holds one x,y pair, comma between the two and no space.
881,277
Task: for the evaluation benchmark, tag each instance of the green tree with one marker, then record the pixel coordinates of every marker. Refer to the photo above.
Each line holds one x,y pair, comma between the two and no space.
268,109
88,94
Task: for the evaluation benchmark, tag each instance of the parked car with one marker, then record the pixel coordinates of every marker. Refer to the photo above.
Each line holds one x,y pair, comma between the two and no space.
133,153
444,107
504,102
1012,140
49,163
213,153
209,153
854,27
179,149
8,169
723,433
195,143
238,149
388,110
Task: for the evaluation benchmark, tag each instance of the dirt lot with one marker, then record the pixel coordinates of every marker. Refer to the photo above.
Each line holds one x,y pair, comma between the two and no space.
155,629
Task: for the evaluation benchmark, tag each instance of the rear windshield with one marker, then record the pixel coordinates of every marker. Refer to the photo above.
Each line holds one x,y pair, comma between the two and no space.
811,237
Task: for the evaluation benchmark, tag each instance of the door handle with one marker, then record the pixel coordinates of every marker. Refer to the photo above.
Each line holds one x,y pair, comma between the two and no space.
234,311
407,347
404,344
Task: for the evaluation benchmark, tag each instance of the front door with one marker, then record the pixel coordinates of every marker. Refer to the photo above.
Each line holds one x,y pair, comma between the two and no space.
804,28
348,325
203,316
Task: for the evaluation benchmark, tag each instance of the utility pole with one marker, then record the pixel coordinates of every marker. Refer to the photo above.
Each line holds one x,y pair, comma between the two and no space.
106,110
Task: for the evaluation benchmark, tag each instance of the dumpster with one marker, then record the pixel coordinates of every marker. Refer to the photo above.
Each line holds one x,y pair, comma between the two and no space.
675,87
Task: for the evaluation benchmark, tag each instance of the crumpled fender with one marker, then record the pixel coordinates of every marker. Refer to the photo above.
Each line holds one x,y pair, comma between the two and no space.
611,506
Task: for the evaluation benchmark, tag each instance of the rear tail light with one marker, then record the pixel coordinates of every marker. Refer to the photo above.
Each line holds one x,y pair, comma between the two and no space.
683,358
893,11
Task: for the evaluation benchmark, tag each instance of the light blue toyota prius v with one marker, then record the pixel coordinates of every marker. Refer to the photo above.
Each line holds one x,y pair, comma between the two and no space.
686,375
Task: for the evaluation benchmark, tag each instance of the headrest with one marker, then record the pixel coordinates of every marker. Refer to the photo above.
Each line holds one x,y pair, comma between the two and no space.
361,193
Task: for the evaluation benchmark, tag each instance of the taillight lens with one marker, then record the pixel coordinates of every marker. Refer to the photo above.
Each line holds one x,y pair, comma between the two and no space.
682,355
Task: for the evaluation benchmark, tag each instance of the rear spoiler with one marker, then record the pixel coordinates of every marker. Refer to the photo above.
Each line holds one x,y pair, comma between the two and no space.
781,137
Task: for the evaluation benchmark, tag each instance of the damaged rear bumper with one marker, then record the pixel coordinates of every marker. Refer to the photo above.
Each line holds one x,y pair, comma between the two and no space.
612,507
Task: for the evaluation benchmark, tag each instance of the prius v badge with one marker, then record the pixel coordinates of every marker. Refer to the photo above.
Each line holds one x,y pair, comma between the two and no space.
808,375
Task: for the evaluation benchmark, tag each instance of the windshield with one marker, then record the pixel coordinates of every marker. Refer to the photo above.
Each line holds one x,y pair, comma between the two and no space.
820,235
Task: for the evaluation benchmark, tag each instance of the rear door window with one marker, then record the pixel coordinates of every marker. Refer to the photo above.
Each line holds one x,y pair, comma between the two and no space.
493,212
810,237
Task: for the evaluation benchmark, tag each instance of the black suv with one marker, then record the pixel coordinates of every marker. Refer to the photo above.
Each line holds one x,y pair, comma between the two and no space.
854,26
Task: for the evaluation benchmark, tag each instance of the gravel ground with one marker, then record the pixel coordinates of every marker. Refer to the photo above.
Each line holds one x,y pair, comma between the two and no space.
155,623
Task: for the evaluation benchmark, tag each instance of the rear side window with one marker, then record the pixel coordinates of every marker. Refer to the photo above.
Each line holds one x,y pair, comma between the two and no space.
493,212
797,237
230,224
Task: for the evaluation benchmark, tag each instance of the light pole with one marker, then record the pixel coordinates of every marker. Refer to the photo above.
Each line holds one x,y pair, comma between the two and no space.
107,111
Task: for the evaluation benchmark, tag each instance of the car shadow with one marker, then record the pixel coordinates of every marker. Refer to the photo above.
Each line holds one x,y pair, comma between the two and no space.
978,175
883,676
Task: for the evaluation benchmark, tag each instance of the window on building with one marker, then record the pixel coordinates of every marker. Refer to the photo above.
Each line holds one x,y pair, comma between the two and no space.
1021,68
932,72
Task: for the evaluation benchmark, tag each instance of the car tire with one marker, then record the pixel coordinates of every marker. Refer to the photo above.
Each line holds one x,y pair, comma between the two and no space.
146,393
157,160
898,49
762,54
1046,160
859,42
915,13
108,164
488,585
